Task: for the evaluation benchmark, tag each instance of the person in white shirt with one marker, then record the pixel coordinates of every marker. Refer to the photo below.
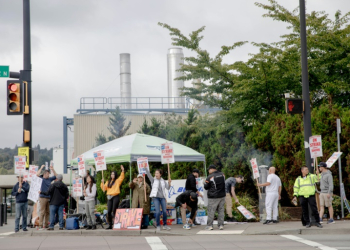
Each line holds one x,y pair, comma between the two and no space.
90,193
273,194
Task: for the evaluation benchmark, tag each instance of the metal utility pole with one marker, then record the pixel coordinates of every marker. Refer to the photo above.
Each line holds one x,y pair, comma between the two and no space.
339,165
26,75
305,82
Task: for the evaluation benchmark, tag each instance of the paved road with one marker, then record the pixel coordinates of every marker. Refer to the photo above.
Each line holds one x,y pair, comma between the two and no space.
196,242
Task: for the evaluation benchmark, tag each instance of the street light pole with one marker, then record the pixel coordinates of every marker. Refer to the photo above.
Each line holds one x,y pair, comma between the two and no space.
305,88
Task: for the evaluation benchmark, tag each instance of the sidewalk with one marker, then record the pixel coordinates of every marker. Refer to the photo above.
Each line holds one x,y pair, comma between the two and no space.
253,228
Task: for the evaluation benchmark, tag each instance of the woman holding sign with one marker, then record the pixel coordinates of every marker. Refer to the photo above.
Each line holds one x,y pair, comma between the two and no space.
112,186
158,194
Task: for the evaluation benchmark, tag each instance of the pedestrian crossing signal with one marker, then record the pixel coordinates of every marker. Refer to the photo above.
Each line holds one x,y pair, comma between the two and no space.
14,101
294,106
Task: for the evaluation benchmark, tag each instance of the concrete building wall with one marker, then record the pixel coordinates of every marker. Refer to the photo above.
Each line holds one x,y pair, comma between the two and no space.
88,126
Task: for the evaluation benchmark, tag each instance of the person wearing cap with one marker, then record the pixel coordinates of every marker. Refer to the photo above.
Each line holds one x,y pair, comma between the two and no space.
139,200
273,194
304,189
20,191
58,193
44,199
215,184
326,185
187,200
230,184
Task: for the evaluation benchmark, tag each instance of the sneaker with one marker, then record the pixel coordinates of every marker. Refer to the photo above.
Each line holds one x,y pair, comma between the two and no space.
267,222
319,225
308,225
275,221
221,227
16,231
25,229
330,221
41,228
158,228
231,219
193,225
50,229
187,226
89,228
93,227
166,227
321,221
61,228
208,228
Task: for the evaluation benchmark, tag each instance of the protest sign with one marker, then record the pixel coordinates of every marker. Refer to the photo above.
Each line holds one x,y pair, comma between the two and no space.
32,171
315,144
333,159
167,151
34,189
24,151
100,161
81,165
77,187
342,193
142,165
247,214
20,164
128,219
255,168
26,175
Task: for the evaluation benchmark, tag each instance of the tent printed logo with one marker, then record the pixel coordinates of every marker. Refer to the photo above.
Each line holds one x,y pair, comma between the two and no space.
153,147
95,155
171,192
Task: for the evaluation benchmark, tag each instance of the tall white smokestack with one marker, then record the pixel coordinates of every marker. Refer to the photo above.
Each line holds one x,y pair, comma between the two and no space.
125,81
175,59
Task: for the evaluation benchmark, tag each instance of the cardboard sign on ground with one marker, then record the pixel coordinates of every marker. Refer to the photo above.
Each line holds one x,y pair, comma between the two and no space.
128,219
246,213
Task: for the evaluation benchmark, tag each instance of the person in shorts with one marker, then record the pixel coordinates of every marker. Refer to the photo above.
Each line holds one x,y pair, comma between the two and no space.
326,185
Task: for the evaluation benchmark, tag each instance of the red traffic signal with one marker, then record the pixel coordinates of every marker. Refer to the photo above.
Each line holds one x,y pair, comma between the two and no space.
294,106
14,101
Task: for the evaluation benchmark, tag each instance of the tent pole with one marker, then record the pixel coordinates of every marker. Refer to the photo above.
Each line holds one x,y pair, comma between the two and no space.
130,182
205,169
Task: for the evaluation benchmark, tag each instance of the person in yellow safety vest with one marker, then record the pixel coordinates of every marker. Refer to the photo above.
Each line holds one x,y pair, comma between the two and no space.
304,188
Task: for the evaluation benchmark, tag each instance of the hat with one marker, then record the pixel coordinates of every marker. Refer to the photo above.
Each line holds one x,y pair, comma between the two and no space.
19,175
211,167
139,175
322,164
195,171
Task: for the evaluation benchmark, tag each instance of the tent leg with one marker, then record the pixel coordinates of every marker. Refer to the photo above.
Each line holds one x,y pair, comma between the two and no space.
205,169
130,182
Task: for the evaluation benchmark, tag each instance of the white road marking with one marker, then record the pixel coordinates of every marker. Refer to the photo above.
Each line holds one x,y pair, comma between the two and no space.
308,242
341,248
156,243
5,234
221,232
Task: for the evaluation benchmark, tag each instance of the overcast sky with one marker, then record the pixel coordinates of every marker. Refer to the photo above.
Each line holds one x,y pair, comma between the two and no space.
76,46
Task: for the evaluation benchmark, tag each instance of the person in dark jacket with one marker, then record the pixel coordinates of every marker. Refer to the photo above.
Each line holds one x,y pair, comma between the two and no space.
215,184
187,200
58,192
20,190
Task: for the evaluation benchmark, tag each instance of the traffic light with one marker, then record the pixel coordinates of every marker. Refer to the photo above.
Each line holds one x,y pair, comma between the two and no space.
14,98
294,106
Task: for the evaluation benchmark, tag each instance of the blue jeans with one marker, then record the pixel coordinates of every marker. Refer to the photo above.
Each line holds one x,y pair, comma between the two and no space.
53,210
145,220
157,203
21,208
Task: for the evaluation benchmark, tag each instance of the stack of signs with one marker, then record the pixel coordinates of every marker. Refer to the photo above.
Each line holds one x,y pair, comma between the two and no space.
315,144
81,165
32,171
20,164
142,165
333,159
167,153
247,214
255,168
77,187
100,161
35,187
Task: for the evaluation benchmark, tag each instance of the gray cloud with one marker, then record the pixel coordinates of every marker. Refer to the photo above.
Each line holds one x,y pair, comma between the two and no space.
76,46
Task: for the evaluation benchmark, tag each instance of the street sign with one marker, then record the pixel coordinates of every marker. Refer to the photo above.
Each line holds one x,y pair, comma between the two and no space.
5,71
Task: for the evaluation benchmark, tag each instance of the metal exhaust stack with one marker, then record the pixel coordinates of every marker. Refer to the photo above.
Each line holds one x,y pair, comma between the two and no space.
125,81
175,59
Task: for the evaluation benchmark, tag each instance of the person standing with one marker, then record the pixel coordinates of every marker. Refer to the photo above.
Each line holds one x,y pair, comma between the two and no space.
304,188
230,185
326,185
273,195
215,184
158,195
44,200
191,183
112,186
139,200
58,193
20,191
187,200
90,194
